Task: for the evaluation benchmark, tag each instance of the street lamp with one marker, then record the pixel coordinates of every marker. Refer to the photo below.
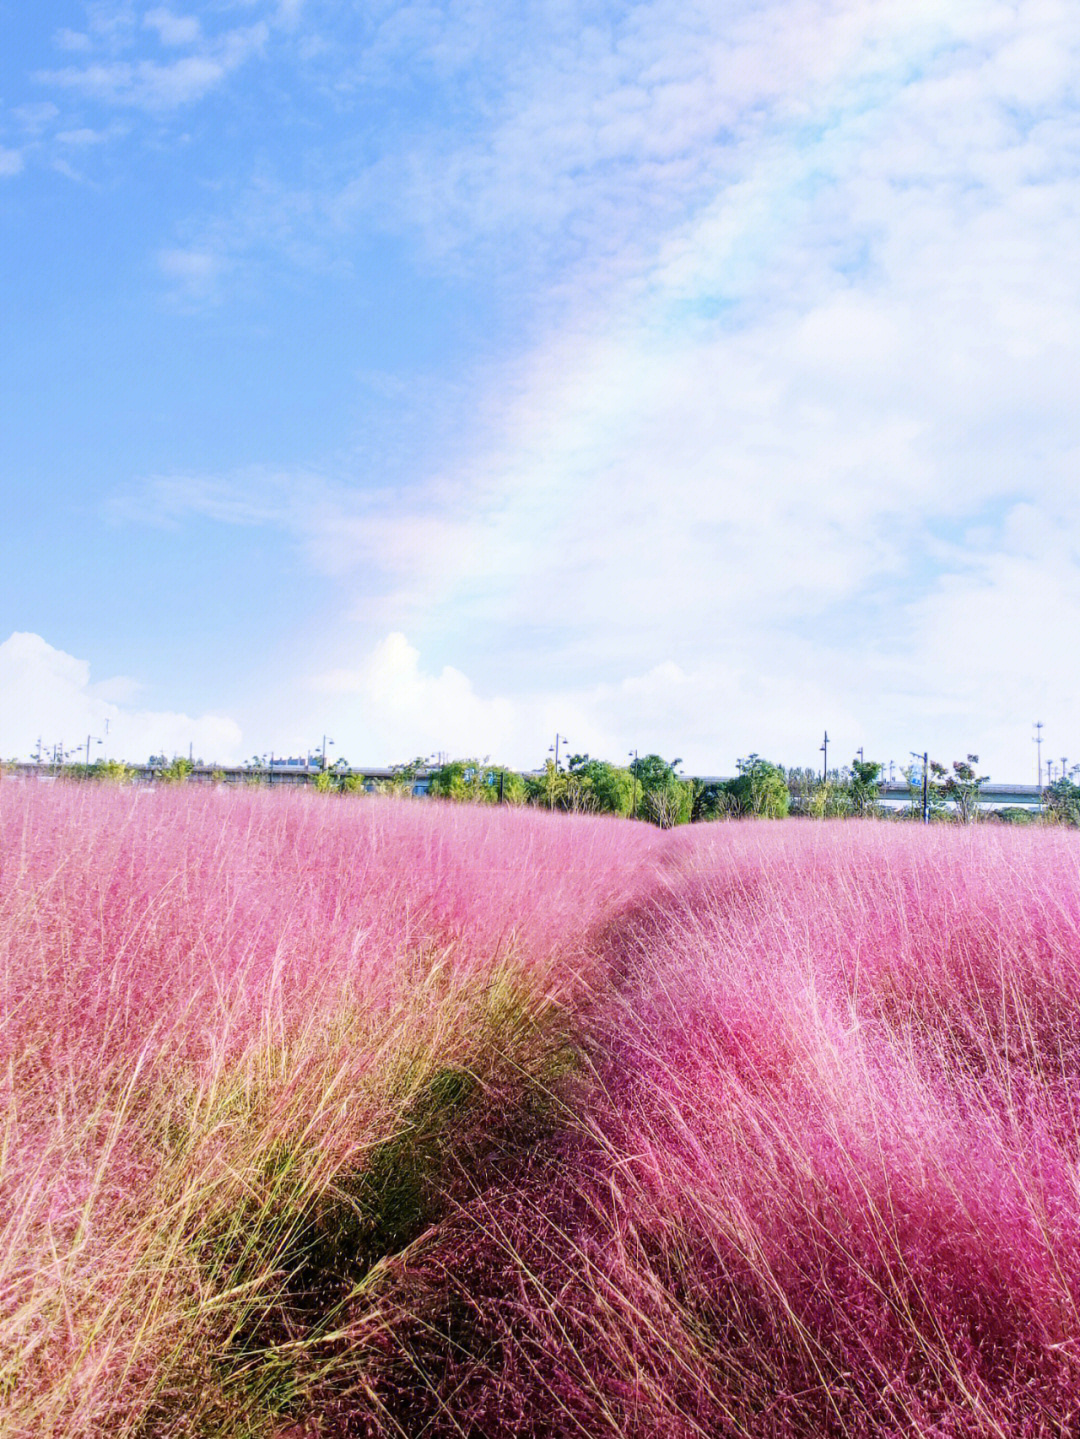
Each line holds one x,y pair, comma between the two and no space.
925,758
559,739
825,762
325,742
554,748
90,737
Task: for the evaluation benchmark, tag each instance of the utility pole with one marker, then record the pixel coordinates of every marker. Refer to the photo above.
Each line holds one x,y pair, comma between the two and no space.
925,758
825,762
1038,746
926,787
554,748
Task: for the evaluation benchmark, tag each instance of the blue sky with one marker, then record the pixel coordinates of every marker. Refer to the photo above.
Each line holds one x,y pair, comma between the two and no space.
688,377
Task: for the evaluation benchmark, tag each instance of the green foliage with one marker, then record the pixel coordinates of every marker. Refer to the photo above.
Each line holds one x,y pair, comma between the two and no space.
549,789
337,779
935,805
175,773
760,789
596,787
477,781
1061,799
864,785
402,778
1011,814
840,793
658,794
710,801
961,788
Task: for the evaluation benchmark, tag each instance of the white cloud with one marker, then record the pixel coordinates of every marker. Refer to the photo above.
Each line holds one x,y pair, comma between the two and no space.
173,29
36,117
814,355
289,12
11,161
152,86
47,694
80,139
195,273
75,40
400,710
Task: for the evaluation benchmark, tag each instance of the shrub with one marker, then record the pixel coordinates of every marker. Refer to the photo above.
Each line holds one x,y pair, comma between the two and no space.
759,789
478,781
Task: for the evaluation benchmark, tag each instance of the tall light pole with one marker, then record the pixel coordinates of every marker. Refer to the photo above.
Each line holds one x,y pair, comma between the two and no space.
825,762
325,742
633,771
559,739
89,737
1038,747
925,757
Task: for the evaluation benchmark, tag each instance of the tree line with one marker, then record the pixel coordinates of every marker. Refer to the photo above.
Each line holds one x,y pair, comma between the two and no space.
651,788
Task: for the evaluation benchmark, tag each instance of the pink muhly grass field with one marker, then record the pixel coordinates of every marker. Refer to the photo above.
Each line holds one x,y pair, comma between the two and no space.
395,1118
829,1183
216,1007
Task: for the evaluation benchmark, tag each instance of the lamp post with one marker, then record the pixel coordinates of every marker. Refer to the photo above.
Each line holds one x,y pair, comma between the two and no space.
90,737
925,757
633,771
325,742
825,762
554,748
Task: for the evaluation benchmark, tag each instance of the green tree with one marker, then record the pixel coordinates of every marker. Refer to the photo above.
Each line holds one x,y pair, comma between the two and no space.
960,788
711,801
597,787
760,788
1061,799
402,778
549,788
660,795
865,786
477,781
175,773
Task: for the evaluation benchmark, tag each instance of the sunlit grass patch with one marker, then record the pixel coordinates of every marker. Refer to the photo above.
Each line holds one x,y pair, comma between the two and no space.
248,1040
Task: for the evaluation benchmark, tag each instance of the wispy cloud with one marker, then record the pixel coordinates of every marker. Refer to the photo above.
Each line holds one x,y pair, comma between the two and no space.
193,273
173,29
784,442
160,86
